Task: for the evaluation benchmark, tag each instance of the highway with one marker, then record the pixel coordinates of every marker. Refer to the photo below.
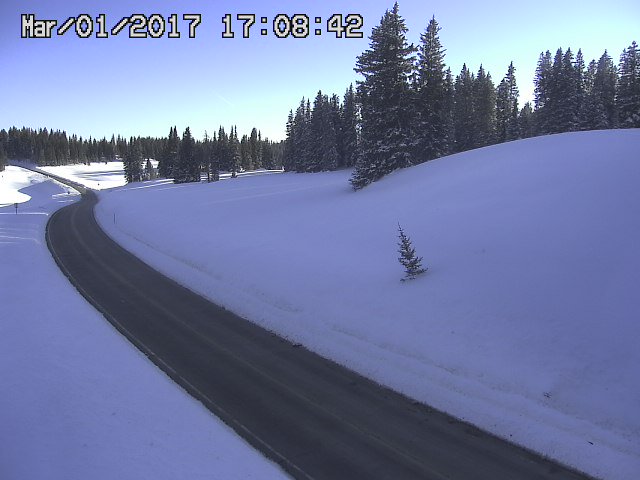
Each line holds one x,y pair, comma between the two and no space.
313,417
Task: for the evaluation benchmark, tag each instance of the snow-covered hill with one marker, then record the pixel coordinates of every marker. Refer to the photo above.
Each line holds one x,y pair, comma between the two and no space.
526,324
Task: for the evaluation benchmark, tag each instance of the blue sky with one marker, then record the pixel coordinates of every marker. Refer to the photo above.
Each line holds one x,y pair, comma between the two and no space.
143,86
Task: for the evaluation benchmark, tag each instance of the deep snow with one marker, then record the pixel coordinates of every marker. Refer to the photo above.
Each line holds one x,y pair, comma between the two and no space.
77,401
526,323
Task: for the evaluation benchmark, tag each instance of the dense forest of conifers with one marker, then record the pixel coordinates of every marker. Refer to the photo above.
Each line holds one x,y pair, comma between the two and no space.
408,109
224,151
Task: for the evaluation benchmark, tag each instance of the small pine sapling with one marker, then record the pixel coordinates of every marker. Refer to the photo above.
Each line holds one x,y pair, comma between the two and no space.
408,258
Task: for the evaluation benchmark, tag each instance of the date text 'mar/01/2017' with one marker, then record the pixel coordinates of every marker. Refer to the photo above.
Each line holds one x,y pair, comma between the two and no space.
140,26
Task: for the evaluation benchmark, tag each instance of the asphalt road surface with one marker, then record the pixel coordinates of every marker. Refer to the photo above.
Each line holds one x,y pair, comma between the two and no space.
316,419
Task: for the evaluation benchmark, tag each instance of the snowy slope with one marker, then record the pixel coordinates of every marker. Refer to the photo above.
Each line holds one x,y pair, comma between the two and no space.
77,401
526,323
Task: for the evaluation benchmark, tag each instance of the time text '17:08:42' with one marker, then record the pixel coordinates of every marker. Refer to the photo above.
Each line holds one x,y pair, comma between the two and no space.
297,26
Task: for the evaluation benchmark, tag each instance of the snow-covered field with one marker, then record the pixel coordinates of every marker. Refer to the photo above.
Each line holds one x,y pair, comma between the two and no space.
526,323
77,401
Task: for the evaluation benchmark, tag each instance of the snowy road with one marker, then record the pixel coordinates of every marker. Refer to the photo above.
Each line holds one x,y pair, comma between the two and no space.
316,419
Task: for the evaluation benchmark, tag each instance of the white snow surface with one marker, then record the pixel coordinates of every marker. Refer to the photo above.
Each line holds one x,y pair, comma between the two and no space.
526,323
97,175
77,401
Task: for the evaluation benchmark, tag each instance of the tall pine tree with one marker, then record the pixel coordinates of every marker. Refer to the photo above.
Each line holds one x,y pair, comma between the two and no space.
349,122
432,132
386,100
133,161
507,107
188,168
628,99
484,109
169,156
463,114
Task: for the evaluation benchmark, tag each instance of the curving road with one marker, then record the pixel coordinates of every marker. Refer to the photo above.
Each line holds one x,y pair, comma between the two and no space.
313,417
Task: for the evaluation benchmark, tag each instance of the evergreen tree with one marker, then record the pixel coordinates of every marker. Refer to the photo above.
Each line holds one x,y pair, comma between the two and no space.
507,107
205,155
432,132
463,114
234,152
591,113
267,155
604,89
449,90
187,169
580,81
4,140
111,155
526,121
3,157
542,93
349,122
567,95
386,101
214,159
334,113
223,151
149,171
255,149
245,154
408,258
169,156
322,137
302,137
484,108
133,162
289,154
628,98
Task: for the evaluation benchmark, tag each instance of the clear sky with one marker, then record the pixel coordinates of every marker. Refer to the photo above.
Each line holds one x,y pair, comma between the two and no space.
100,86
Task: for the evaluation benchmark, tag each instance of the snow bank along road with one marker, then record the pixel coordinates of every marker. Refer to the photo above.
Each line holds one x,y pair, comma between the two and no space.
313,417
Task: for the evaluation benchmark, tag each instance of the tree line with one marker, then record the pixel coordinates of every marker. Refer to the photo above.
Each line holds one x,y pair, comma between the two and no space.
409,108
324,137
183,159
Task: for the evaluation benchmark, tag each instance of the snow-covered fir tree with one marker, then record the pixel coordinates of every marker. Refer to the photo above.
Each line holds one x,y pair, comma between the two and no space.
255,151
187,168
604,89
288,158
3,157
169,157
149,171
133,161
628,98
323,153
463,114
408,258
431,126
267,155
507,107
484,109
526,121
542,80
349,122
234,152
386,101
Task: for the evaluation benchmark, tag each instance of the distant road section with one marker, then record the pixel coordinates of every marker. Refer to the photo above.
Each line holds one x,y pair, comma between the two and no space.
316,419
